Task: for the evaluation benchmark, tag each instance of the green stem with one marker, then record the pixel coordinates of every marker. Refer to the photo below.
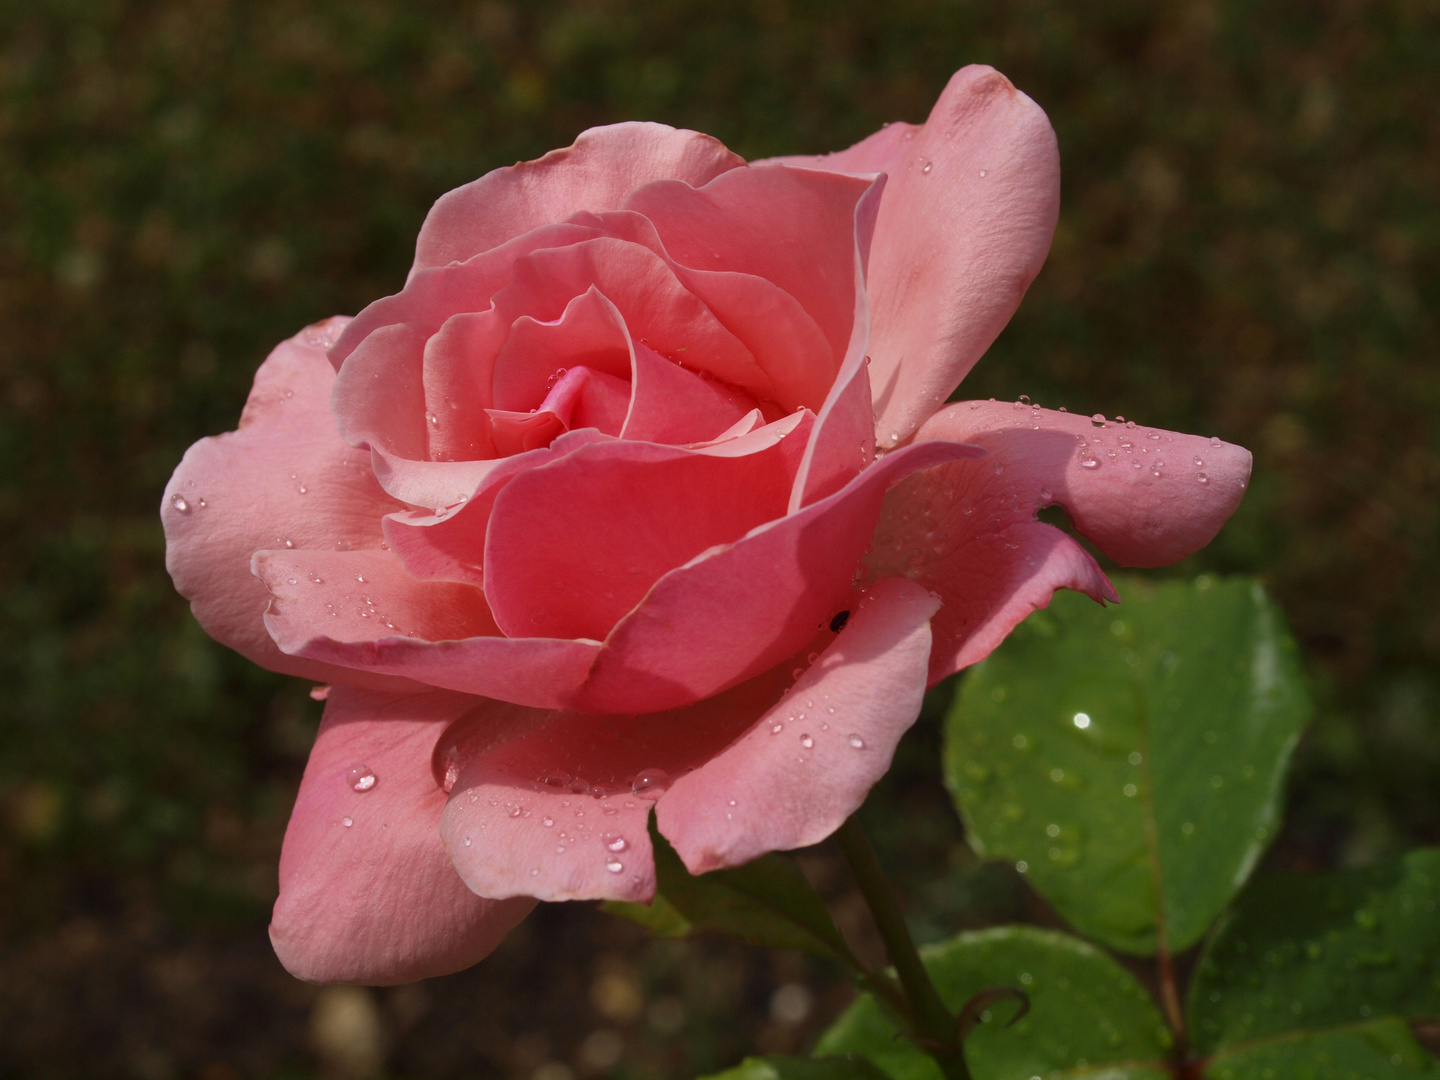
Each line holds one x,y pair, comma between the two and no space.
934,1023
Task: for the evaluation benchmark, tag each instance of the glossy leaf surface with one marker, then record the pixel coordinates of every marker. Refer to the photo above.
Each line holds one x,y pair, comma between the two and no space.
1380,1050
1086,1012
1130,760
1305,952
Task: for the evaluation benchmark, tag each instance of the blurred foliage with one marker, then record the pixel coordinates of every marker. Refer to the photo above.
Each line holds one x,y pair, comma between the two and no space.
1248,248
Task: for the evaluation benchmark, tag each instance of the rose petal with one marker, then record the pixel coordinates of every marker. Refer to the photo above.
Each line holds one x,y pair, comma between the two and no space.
792,227
737,611
574,545
964,227
843,441
442,635
838,727
1137,492
451,546
367,894
671,404
596,173
590,332
285,477
515,827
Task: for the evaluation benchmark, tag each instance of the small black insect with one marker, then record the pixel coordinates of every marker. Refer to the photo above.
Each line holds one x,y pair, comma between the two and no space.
838,622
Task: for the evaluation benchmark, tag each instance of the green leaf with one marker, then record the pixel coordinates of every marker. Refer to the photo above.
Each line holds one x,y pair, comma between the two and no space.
767,902
1314,951
1086,1011
1379,1050
792,1068
1131,760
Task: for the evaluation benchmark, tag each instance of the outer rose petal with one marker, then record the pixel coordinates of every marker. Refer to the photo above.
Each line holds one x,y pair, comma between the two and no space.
284,476
774,791
737,611
514,828
597,173
964,227
1152,502
367,894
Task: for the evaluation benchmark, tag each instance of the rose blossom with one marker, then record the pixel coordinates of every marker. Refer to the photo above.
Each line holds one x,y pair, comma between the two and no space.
590,517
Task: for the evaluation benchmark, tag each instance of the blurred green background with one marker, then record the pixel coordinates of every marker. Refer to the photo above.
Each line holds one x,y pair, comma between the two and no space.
1247,248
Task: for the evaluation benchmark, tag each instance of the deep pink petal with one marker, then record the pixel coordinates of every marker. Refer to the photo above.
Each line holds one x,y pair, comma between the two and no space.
286,477
964,227
792,227
367,894
1146,497
843,441
603,166
657,308
551,813
739,610
671,404
450,546
441,635
590,332
575,544
795,776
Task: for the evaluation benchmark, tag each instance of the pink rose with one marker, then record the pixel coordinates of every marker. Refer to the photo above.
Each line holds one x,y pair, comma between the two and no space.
590,517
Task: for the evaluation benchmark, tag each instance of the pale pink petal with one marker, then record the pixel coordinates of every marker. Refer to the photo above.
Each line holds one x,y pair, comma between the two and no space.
737,611
671,404
876,153
792,227
367,894
843,441
434,632
964,227
285,478
450,545
603,166
796,364
1146,497
551,812
573,545
808,764
433,295
657,308
363,596
590,332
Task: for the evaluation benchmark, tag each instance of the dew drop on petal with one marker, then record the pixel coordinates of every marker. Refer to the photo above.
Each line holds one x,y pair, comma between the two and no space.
1089,463
467,841
178,501
1201,478
650,784
806,741
360,777
614,866
347,822
616,844
856,742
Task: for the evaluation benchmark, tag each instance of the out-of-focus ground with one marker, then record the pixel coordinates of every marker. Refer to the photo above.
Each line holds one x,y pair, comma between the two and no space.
1247,248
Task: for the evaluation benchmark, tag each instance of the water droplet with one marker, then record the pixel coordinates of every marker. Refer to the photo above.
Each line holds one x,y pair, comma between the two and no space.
178,501
515,811
616,844
650,784
984,173
614,866
1199,461
347,822
1215,441
856,742
1098,419
928,166
547,822
579,786
360,777
806,741
1089,463
777,729
1201,478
